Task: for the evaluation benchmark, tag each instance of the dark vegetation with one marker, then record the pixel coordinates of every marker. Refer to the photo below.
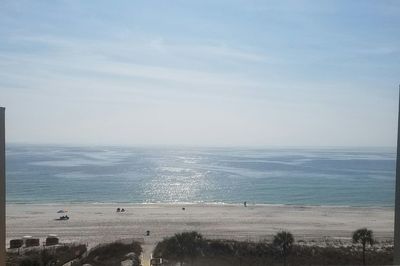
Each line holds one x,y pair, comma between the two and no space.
191,248
102,255
283,242
112,254
364,237
46,256
182,247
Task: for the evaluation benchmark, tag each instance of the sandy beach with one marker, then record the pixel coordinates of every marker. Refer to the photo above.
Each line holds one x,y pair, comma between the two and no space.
96,223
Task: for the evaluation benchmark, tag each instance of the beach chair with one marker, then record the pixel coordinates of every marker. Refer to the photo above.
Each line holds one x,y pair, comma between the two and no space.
16,243
52,240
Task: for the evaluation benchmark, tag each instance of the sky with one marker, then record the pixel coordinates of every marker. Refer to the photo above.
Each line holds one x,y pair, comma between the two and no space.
200,73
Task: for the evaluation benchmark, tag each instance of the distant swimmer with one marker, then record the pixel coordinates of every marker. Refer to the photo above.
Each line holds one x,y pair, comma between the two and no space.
245,203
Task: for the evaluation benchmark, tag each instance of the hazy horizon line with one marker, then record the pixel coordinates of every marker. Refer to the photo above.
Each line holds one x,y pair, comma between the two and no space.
182,146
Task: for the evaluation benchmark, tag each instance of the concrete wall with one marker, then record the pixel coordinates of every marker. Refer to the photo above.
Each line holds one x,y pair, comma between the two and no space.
396,259
2,188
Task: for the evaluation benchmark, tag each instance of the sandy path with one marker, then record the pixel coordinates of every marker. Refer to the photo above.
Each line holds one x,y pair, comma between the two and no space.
96,223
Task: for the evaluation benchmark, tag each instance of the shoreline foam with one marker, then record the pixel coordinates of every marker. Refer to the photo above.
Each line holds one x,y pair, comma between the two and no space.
249,204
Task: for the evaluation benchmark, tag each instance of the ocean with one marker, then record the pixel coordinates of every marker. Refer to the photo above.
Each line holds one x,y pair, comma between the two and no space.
297,176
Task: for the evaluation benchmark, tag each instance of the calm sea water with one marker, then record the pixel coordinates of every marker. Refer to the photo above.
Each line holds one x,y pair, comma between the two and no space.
50,174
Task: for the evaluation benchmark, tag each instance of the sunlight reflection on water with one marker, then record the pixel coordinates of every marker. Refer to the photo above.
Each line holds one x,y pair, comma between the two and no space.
47,174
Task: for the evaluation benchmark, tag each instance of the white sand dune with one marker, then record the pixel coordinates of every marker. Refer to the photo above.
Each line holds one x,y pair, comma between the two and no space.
96,223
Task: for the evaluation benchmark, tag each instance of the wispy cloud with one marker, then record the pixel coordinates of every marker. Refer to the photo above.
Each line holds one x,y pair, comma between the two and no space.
101,60
378,50
128,46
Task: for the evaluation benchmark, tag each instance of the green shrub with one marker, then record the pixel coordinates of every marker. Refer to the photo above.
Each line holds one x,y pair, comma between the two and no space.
112,253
